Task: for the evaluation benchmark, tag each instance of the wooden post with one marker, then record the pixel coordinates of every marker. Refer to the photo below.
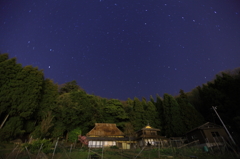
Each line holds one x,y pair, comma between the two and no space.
39,150
27,152
70,150
17,153
67,136
12,151
89,153
55,148
225,145
216,144
159,149
4,121
140,152
75,144
102,148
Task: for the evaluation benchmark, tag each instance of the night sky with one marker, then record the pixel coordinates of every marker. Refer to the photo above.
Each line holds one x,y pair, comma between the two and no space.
124,48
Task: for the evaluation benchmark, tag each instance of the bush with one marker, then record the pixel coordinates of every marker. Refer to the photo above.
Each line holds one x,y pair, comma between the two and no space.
73,135
36,145
114,147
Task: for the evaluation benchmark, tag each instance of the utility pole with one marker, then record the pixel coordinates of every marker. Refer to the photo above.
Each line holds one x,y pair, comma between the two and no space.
214,108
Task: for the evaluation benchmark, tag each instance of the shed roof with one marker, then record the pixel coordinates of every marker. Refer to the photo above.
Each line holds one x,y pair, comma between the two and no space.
104,130
207,125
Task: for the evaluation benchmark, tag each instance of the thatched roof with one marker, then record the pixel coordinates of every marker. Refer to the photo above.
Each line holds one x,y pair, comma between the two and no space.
105,130
108,139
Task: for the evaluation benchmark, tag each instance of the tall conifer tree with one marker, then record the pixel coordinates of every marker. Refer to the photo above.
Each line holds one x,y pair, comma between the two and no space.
138,115
151,115
189,115
160,112
173,121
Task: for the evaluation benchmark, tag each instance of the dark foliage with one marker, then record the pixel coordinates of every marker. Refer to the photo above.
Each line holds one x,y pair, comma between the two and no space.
36,106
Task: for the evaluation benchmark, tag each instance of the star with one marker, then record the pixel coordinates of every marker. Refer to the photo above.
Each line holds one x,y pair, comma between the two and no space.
115,43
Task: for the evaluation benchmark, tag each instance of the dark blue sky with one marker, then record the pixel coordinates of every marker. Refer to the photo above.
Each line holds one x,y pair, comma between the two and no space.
124,48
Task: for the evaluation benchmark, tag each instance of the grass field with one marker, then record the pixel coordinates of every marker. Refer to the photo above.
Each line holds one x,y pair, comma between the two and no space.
9,151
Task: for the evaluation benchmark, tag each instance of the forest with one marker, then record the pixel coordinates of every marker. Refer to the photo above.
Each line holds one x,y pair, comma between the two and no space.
32,105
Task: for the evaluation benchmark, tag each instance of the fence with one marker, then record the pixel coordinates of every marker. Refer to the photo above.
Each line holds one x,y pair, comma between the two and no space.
61,150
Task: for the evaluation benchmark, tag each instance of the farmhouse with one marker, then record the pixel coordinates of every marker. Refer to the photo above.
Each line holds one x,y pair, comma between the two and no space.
107,134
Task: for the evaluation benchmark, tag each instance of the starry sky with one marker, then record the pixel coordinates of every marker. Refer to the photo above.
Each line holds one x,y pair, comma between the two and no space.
124,48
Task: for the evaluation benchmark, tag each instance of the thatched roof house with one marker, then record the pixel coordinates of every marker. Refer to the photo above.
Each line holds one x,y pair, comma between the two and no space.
107,134
105,130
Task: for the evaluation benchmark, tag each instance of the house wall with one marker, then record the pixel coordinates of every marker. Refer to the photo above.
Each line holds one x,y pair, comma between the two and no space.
220,131
100,144
150,132
146,141
120,144
210,135
196,135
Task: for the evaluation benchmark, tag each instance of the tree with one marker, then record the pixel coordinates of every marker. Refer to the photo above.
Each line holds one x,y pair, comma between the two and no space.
46,124
48,99
69,87
190,116
21,97
222,92
129,130
97,114
66,115
128,106
8,70
12,128
160,113
43,113
73,110
151,115
114,113
137,115
85,107
3,57
26,92
173,121
152,100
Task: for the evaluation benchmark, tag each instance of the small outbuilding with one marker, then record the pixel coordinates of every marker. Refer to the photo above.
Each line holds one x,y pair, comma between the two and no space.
209,133
149,136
